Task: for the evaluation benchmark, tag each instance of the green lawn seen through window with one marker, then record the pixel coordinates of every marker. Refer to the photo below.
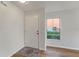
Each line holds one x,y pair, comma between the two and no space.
53,35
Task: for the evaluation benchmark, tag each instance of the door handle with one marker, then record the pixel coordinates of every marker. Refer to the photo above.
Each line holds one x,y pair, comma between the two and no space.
37,32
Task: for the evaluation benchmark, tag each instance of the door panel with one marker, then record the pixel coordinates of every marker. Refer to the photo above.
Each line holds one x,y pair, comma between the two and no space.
34,20
31,28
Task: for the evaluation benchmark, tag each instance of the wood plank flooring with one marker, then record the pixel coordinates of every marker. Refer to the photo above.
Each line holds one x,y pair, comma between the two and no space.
50,52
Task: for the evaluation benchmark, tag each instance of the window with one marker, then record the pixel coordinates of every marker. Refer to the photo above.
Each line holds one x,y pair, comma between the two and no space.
53,28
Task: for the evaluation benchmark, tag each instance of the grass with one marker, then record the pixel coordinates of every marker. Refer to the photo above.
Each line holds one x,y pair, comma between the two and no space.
53,35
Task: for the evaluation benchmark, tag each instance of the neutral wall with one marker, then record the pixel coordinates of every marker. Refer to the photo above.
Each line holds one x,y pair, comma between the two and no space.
69,29
41,17
11,29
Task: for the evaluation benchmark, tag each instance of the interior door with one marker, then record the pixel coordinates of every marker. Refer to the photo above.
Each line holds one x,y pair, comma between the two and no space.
31,31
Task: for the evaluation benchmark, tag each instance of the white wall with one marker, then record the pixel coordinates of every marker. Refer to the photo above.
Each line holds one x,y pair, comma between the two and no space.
41,17
69,28
11,29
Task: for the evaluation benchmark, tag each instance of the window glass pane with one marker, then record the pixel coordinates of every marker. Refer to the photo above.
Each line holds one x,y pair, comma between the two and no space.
53,28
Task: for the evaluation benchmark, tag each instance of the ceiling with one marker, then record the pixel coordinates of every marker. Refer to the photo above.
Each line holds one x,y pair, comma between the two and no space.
30,6
50,6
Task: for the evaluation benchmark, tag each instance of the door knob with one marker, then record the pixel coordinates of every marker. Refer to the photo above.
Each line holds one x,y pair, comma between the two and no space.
37,32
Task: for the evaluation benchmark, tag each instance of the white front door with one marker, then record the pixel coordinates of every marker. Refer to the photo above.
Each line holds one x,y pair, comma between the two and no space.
31,31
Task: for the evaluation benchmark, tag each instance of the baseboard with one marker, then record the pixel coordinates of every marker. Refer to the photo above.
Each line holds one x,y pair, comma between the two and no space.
62,47
16,51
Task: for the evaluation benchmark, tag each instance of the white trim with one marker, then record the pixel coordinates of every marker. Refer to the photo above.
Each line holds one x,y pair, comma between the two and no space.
16,51
63,47
45,31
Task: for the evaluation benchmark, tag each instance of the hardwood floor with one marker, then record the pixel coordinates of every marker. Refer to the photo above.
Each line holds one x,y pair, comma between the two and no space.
51,52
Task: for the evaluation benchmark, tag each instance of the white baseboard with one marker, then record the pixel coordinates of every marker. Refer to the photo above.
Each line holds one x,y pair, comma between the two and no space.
16,51
64,47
